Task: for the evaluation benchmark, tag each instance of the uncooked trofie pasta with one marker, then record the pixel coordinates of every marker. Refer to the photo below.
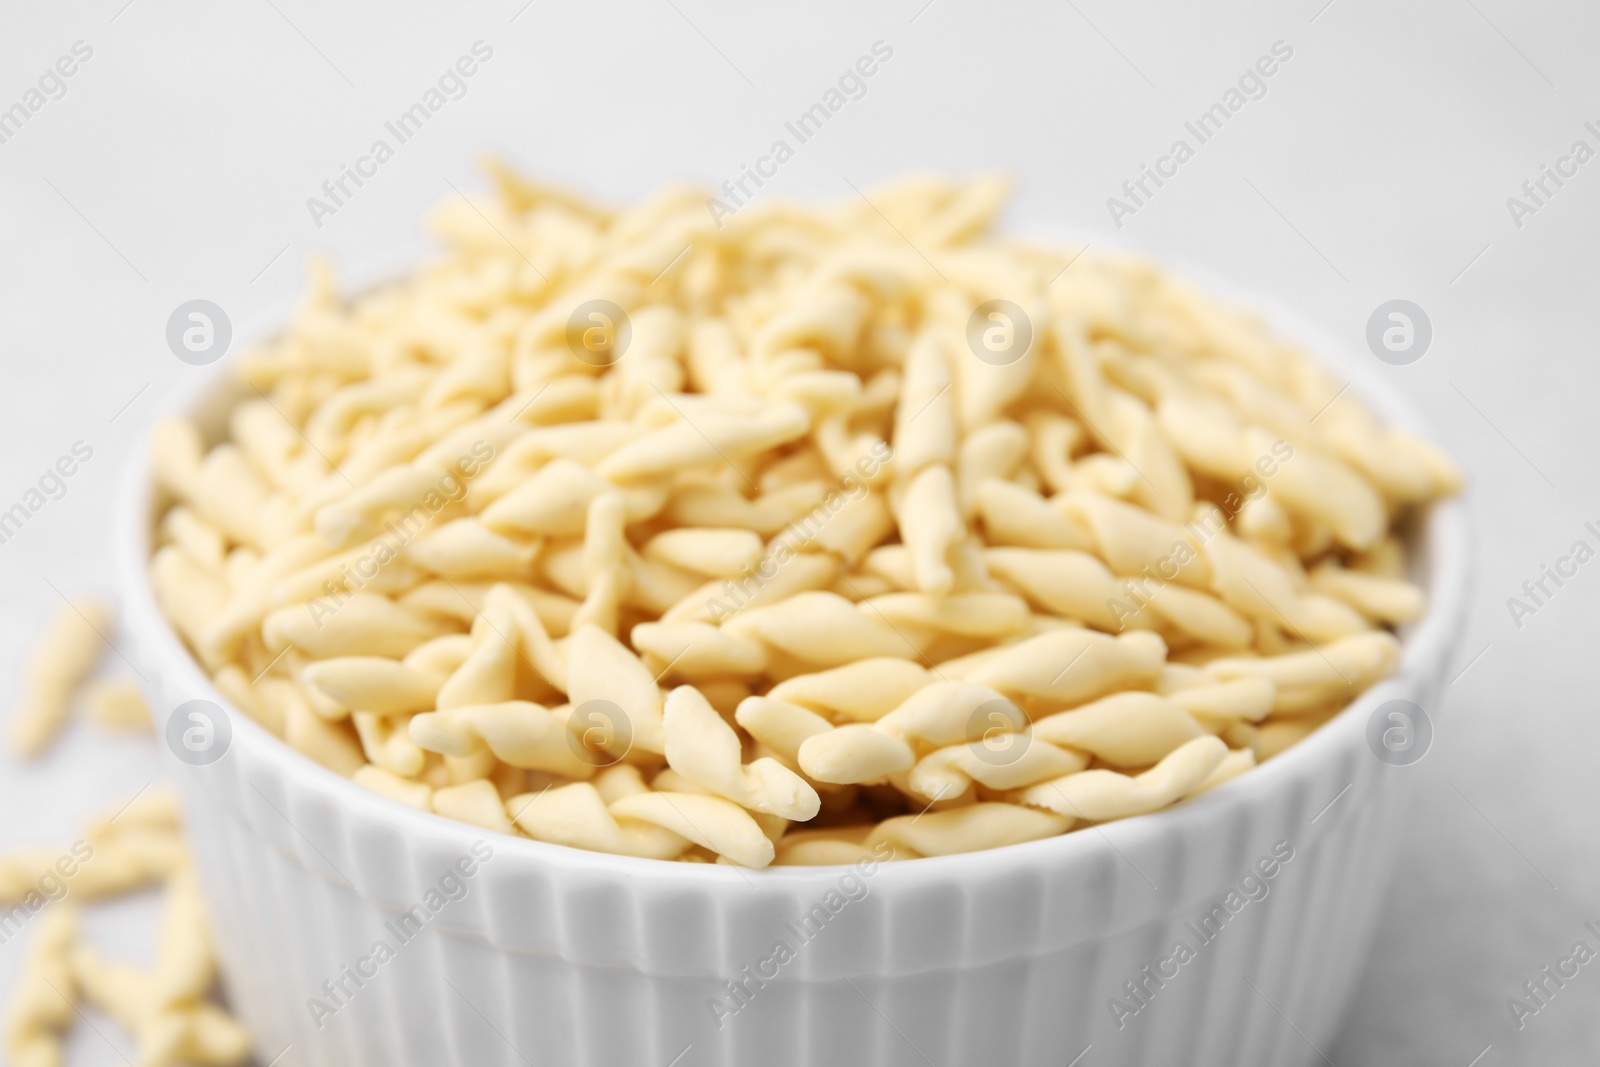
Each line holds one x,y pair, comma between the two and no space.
166,1008
783,537
63,658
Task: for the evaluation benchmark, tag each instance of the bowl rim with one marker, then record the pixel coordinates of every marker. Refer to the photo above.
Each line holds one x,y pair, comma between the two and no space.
1440,544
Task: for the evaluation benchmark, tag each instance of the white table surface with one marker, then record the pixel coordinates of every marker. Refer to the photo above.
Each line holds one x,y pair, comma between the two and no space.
1378,165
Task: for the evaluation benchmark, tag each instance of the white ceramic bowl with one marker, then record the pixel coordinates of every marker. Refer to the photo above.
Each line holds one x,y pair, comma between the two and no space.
1008,957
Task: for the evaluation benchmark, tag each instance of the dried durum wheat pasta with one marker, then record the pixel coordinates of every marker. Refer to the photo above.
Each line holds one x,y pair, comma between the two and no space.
62,659
767,540
117,704
165,1007
44,999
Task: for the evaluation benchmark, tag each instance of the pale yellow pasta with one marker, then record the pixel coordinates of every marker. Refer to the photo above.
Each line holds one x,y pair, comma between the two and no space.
606,570
710,822
164,1008
1349,664
1132,729
1275,735
712,552
393,786
821,848
374,683
699,651
477,802
386,741
117,704
706,751
184,966
1016,515
1383,599
518,732
366,625
487,673
192,598
854,753
931,526
1235,763
994,763
168,1034
777,558
1063,581
577,815
713,602
334,745
466,549
863,691
551,502
43,1002
968,829
1098,795
1071,665
781,726
1248,699
821,628
64,656
991,615
123,849
604,670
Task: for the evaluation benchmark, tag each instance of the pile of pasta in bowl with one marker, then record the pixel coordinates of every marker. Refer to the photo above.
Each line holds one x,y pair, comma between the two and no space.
788,536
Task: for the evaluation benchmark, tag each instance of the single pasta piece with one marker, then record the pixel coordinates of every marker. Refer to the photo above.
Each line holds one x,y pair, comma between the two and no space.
59,663
1099,796
43,1002
117,704
705,750
477,802
968,829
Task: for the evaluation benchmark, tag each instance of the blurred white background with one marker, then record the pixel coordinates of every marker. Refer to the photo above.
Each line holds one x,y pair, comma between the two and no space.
178,163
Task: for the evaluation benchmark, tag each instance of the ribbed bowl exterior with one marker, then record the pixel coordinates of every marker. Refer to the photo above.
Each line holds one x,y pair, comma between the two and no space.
1013,956
1008,957
554,956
